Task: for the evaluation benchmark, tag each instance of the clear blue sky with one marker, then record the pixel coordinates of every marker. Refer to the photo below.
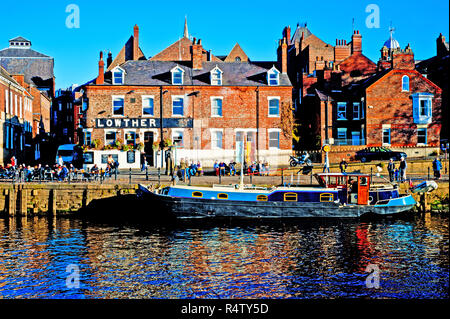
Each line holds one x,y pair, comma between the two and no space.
255,25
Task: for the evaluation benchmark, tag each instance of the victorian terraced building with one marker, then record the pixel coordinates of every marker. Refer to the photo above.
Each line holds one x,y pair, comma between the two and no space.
185,96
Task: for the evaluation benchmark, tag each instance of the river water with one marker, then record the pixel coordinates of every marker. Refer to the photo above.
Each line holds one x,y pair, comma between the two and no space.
74,258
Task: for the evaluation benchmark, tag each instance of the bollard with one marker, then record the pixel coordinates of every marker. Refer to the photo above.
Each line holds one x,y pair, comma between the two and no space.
146,173
189,179
311,176
428,173
371,176
282,176
159,175
220,177
129,175
115,173
251,178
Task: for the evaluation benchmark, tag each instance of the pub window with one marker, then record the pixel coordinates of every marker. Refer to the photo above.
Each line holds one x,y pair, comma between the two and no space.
118,106
216,76
421,136
110,137
177,75
216,139
130,138
273,76
177,106
147,106
177,137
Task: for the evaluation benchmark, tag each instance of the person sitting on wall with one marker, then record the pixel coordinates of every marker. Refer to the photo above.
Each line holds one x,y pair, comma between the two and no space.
343,165
232,167
199,169
216,168
222,168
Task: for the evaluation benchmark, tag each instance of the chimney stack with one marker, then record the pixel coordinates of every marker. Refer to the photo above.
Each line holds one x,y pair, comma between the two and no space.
356,42
101,70
282,55
197,54
109,59
136,43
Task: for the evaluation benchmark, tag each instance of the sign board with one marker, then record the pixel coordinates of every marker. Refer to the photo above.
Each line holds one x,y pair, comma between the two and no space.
142,122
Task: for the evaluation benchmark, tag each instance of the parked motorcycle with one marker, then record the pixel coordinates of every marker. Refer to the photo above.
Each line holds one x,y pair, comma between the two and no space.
301,160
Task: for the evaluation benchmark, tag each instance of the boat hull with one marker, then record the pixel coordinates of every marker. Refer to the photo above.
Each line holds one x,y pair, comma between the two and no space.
211,208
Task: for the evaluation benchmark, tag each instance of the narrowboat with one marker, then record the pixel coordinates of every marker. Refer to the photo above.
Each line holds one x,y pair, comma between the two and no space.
335,195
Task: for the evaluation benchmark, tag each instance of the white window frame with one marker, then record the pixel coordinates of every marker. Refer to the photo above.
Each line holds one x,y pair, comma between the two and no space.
273,130
144,97
422,127
212,98
110,131
175,69
358,105
178,130
403,78
125,132
273,70
114,78
270,98
214,81
212,132
386,127
184,104
113,97
338,104
343,131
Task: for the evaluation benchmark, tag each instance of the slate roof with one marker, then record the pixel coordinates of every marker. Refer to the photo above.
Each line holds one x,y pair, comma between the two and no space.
234,73
19,39
21,53
298,33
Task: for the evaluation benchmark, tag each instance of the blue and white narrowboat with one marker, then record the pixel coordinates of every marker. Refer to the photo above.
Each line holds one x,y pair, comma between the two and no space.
336,195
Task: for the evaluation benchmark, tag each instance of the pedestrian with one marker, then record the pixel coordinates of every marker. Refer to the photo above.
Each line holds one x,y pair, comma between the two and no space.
216,168
343,165
13,162
437,166
183,165
391,170
402,169
60,161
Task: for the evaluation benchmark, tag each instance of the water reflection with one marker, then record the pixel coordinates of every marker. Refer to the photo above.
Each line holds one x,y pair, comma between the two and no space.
303,259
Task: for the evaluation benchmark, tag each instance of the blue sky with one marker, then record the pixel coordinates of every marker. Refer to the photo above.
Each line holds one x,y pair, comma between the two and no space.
255,25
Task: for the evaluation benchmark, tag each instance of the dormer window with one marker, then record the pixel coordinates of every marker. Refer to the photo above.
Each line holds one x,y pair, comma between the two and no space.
177,75
216,76
273,76
117,75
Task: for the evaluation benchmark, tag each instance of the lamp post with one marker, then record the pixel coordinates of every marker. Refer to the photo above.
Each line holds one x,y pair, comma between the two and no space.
161,143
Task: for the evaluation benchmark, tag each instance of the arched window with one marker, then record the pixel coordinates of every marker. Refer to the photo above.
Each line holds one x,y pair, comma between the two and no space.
405,83
237,59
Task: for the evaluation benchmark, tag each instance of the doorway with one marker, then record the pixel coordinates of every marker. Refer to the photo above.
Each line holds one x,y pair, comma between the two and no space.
148,147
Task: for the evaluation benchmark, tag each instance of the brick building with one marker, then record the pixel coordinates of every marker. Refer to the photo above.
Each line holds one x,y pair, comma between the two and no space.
208,104
16,115
34,71
436,69
390,104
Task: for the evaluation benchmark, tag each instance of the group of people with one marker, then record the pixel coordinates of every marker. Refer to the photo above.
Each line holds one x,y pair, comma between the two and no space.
397,174
256,168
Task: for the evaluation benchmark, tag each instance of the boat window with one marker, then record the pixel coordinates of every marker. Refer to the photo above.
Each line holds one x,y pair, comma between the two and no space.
262,198
363,181
290,197
326,197
197,194
222,196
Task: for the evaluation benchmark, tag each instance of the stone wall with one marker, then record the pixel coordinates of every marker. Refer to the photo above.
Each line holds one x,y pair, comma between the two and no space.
55,199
